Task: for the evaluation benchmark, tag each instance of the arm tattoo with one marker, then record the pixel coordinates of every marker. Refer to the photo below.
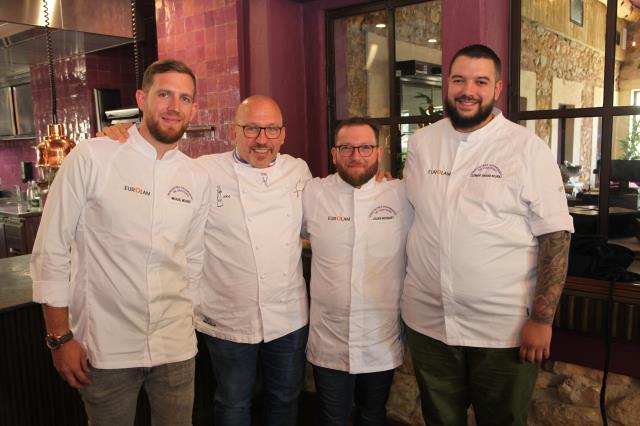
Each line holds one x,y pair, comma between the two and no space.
553,259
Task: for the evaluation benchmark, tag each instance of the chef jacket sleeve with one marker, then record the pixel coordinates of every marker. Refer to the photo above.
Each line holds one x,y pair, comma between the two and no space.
543,192
51,256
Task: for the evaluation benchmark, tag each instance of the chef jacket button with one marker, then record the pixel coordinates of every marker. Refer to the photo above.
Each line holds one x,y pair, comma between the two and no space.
282,299
257,247
284,274
262,276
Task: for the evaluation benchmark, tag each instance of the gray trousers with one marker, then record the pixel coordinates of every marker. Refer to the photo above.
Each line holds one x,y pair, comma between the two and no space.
112,396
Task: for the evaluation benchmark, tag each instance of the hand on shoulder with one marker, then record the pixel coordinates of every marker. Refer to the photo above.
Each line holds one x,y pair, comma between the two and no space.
119,132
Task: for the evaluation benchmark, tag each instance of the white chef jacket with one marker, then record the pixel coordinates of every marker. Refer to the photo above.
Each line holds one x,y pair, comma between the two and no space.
472,251
121,244
358,238
253,289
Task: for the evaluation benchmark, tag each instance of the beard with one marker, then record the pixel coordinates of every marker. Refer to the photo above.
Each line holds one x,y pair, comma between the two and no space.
165,136
353,178
463,123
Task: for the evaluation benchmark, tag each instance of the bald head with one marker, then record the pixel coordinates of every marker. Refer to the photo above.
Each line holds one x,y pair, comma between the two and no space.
261,113
258,103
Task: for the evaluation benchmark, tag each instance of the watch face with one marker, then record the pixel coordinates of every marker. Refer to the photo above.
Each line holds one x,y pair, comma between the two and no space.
53,342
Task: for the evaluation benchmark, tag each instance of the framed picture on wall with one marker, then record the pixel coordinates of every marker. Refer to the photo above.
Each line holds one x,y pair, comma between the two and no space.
576,13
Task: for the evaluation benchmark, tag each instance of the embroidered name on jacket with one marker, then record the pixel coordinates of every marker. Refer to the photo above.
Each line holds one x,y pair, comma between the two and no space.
181,194
382,213
487,170
137,190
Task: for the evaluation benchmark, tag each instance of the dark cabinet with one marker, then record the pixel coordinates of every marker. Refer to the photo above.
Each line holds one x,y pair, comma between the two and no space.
18,235
3,245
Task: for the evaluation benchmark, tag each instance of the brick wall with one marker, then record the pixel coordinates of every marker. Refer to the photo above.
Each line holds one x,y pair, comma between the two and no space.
204,34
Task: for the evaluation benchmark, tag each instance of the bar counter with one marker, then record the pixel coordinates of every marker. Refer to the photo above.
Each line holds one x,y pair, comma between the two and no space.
31,392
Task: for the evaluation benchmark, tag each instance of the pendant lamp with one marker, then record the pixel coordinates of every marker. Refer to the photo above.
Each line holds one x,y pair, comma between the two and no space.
54,147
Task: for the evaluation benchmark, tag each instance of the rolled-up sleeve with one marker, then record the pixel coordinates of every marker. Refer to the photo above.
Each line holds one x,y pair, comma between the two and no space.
51,256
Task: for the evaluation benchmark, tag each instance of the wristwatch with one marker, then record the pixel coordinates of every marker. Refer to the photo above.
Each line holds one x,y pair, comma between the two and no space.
54,341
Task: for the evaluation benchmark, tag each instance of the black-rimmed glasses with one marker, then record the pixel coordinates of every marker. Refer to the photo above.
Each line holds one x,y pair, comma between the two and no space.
363,150
251,131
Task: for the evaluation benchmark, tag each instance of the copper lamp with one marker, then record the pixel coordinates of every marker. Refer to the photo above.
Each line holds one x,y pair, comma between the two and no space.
54,147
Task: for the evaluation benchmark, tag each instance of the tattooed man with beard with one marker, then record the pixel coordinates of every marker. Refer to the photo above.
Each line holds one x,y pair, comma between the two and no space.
487,252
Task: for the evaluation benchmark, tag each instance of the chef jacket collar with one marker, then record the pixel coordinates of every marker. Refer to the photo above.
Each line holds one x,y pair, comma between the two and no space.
145,148
348,188
482,132
237,159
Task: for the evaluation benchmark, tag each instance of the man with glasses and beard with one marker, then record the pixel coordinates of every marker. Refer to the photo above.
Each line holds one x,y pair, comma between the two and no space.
487,252
357,227
118,258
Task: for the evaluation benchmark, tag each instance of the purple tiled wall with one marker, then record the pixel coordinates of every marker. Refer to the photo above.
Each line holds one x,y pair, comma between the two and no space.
75,80
11,154
204,34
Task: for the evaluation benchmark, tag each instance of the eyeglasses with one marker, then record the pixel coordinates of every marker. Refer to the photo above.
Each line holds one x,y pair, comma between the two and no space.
251,131
363,150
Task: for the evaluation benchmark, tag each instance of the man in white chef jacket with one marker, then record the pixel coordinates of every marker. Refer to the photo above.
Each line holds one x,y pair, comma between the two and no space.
487,252
118,257
358,229
253,308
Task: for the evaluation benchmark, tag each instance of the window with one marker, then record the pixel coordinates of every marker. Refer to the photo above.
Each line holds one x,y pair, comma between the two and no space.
385,62
578,88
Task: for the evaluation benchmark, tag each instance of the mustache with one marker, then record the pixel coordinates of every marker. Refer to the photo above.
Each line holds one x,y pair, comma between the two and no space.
465,98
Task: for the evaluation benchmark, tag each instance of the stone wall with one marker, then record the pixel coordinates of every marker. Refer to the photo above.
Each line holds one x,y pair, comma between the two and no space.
551,55
565,394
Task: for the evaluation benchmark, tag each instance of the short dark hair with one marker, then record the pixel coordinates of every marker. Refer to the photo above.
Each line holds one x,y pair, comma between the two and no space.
163,66
357,121
479,51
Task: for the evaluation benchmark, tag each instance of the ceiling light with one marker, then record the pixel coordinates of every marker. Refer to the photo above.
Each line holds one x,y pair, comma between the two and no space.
432,40
381,25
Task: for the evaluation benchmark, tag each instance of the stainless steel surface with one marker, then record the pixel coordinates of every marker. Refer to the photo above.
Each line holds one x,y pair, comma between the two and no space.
29,48
112,17
6,112
80,27
15,282
23,109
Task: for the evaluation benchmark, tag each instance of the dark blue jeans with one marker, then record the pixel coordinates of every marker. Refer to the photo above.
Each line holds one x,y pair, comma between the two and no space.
235,366
338,390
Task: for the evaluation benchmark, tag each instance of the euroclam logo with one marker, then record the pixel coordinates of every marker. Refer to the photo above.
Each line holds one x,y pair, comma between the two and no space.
181,194
137,190
339,218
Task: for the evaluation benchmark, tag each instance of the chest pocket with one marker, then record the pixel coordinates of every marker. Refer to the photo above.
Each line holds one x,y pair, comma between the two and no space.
385,233
488,197
177,219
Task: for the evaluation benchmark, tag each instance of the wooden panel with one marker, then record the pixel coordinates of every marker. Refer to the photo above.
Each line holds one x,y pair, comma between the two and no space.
554,15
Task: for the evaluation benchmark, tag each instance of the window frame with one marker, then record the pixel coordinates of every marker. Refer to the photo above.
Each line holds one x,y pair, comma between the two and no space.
393,120
606,112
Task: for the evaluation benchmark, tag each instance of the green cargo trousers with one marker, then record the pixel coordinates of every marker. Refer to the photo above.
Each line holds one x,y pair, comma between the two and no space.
451,378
